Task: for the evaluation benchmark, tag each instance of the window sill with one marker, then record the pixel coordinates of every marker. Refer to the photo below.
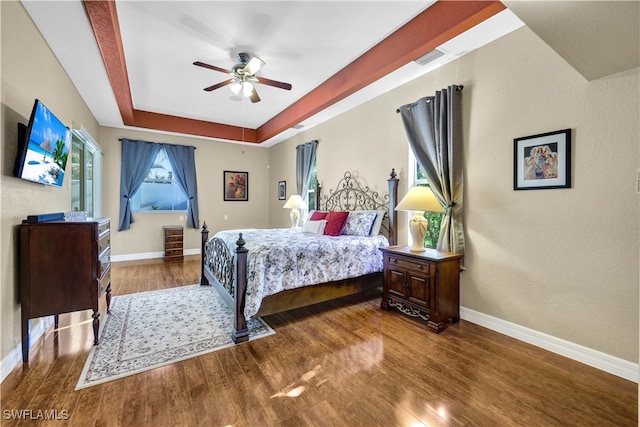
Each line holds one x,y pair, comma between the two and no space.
159,211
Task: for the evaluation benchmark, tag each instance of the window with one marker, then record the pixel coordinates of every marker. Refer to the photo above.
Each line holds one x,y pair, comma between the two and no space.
86,174
434,218
313,184
160,190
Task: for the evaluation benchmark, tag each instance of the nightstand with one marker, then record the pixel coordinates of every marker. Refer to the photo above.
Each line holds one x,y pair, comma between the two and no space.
422,284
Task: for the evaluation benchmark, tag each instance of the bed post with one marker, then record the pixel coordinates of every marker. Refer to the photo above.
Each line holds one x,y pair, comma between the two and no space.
318,188
205,237
240,331
393,214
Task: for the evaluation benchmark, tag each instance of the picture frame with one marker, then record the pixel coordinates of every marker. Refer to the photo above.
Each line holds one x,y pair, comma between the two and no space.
542,161
235,186
282,190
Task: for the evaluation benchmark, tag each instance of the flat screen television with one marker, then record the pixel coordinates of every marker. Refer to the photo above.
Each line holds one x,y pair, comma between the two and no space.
43,148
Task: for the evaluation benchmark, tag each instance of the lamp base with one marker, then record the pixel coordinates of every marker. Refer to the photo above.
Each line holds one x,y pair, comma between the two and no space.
295,217
418,225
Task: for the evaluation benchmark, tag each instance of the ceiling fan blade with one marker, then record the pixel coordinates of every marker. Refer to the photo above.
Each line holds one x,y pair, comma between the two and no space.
254,96
274,83
211,67
253,66
218,85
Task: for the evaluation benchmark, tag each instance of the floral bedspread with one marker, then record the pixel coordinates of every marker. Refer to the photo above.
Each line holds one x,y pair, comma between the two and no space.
285,258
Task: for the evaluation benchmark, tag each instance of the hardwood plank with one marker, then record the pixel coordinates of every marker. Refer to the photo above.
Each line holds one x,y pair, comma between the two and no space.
339,363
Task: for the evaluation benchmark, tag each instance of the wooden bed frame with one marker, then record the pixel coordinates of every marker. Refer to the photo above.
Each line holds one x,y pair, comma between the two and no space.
218,268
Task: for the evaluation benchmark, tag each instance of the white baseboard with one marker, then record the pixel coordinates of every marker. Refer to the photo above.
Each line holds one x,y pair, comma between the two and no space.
149,255
14,357
597,359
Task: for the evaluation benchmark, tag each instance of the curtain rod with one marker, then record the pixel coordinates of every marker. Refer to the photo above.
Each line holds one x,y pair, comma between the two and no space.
458,89
161,143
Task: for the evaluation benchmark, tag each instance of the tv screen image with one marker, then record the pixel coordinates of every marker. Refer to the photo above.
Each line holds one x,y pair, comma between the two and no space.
44,150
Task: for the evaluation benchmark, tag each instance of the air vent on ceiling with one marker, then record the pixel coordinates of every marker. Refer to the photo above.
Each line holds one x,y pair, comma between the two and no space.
428,57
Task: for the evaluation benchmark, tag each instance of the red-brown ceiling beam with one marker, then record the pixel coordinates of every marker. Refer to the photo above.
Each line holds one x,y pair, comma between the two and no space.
148,120
436,25
104,21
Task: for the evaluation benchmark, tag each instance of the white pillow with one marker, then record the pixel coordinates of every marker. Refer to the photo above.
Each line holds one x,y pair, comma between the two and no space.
377,223
314,227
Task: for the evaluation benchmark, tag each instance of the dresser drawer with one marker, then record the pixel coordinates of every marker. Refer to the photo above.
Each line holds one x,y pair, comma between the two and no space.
104,263
173,238
105,280
104,241
173,252
408,264
173,245
103,226
173,231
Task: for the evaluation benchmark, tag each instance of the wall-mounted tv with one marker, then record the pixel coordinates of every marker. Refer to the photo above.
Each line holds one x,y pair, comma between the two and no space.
43,148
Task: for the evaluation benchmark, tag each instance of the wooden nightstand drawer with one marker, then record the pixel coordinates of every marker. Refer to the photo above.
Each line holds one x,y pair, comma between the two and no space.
408,264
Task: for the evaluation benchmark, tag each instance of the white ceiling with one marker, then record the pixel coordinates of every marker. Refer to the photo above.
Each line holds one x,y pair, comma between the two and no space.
303,43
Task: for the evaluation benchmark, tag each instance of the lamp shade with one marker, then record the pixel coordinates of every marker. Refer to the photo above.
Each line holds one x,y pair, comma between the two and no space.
420,199
295,202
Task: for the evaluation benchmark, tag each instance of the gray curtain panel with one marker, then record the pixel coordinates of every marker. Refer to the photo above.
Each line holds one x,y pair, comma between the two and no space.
433,126
182,159
305,158
137,158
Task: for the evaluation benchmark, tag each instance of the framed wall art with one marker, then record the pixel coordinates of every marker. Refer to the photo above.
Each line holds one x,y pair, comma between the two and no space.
282,190
236,186
542,161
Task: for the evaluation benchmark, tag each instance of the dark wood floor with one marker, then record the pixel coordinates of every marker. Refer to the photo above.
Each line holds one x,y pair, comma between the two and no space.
337,364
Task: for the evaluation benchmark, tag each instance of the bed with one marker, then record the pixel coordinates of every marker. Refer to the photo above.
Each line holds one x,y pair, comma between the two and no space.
264,271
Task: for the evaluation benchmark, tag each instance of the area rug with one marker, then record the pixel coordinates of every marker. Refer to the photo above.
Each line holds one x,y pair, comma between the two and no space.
152,329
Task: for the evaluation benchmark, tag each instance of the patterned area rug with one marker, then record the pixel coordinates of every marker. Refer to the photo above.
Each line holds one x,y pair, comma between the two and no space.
152,329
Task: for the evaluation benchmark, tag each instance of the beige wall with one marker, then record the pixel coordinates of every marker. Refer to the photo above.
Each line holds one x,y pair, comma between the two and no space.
29,71
562,262
212,158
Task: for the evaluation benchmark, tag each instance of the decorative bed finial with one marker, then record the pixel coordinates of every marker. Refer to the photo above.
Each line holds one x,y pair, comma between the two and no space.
393,173
240,242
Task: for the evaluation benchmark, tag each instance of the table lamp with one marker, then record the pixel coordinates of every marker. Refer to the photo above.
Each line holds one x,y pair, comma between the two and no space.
419,200
295,203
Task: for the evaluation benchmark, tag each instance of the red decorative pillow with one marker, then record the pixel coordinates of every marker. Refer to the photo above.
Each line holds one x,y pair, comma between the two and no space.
318,215
335,222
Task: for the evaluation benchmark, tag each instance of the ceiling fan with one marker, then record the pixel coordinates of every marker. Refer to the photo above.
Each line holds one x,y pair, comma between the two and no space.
243,77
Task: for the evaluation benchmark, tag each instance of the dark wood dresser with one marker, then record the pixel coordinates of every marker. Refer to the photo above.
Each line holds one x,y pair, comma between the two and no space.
173,241
422,284
64,267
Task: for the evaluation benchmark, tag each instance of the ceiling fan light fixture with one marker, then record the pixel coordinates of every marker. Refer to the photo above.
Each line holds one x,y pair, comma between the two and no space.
235,87
247,88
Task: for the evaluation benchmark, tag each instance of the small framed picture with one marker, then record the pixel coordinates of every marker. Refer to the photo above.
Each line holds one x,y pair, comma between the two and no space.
542,161
236,186
282,190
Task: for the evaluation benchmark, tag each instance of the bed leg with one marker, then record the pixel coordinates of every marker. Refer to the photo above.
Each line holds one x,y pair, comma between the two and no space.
240,330
205,237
